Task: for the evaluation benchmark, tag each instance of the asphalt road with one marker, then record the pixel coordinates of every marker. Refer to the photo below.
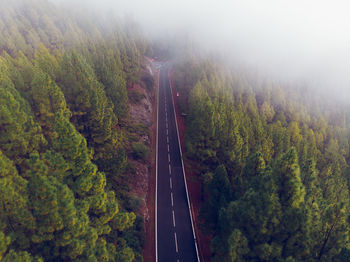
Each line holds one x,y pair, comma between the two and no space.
175,237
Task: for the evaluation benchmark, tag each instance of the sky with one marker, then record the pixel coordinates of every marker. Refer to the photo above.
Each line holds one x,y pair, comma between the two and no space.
299,40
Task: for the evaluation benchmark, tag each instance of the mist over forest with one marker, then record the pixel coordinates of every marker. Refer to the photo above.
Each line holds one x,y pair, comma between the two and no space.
303,42
258,88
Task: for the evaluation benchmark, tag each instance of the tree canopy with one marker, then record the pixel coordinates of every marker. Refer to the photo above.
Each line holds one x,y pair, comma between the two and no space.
63,83
273,165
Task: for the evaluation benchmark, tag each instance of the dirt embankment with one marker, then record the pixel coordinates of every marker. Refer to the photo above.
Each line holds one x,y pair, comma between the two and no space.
143,115
194,185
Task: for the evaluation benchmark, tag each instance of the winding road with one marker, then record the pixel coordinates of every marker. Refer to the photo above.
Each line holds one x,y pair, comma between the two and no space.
175,237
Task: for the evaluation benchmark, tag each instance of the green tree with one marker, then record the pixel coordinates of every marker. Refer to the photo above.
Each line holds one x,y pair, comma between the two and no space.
219,193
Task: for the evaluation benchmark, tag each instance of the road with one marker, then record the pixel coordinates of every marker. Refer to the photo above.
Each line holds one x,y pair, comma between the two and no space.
175,239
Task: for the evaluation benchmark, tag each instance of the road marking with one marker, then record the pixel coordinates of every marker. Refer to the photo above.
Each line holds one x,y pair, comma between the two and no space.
176,247
174,219
171,195
166,124
183,170
167,138
171,186
167,132
168,148
169,169
156,200
169,157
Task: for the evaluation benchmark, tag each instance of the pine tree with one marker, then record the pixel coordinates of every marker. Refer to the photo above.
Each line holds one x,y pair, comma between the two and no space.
19,134
16,219
219,193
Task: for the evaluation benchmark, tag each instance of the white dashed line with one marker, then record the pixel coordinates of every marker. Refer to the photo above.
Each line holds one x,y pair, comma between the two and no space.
171,186
172,198
167,132
174,219
167,139
169,169
166,124
183,169
168,148
169,157
156,193
177,249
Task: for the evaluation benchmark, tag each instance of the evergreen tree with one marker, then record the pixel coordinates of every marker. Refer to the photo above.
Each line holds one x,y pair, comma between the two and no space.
218,196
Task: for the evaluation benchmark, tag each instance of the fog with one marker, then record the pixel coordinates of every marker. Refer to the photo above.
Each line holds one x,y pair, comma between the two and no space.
306,41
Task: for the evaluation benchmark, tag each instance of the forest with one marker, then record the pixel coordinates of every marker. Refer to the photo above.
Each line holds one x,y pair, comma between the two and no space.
63,135
272,158
273,164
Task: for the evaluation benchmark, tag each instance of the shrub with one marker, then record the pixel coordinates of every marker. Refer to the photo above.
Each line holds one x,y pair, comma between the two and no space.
135,96
148,80
140,151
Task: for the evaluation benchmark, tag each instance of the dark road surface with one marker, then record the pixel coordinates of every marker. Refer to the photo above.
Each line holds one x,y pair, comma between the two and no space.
174,232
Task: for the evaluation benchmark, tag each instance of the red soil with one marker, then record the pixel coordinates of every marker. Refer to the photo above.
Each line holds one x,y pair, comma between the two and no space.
193,183
149,253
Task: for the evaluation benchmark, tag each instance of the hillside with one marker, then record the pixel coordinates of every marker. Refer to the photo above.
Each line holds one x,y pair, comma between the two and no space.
273,164
267,161
65,136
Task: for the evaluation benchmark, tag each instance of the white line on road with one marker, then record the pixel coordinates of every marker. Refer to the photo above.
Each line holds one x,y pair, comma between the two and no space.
166,124
169,157
167,132
183,170
171,186
172,198
174,219
169,169
167,138
168,148
177,249
156,198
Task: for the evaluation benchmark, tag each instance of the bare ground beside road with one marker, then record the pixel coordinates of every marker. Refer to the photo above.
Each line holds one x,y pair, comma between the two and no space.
193,183
149,249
